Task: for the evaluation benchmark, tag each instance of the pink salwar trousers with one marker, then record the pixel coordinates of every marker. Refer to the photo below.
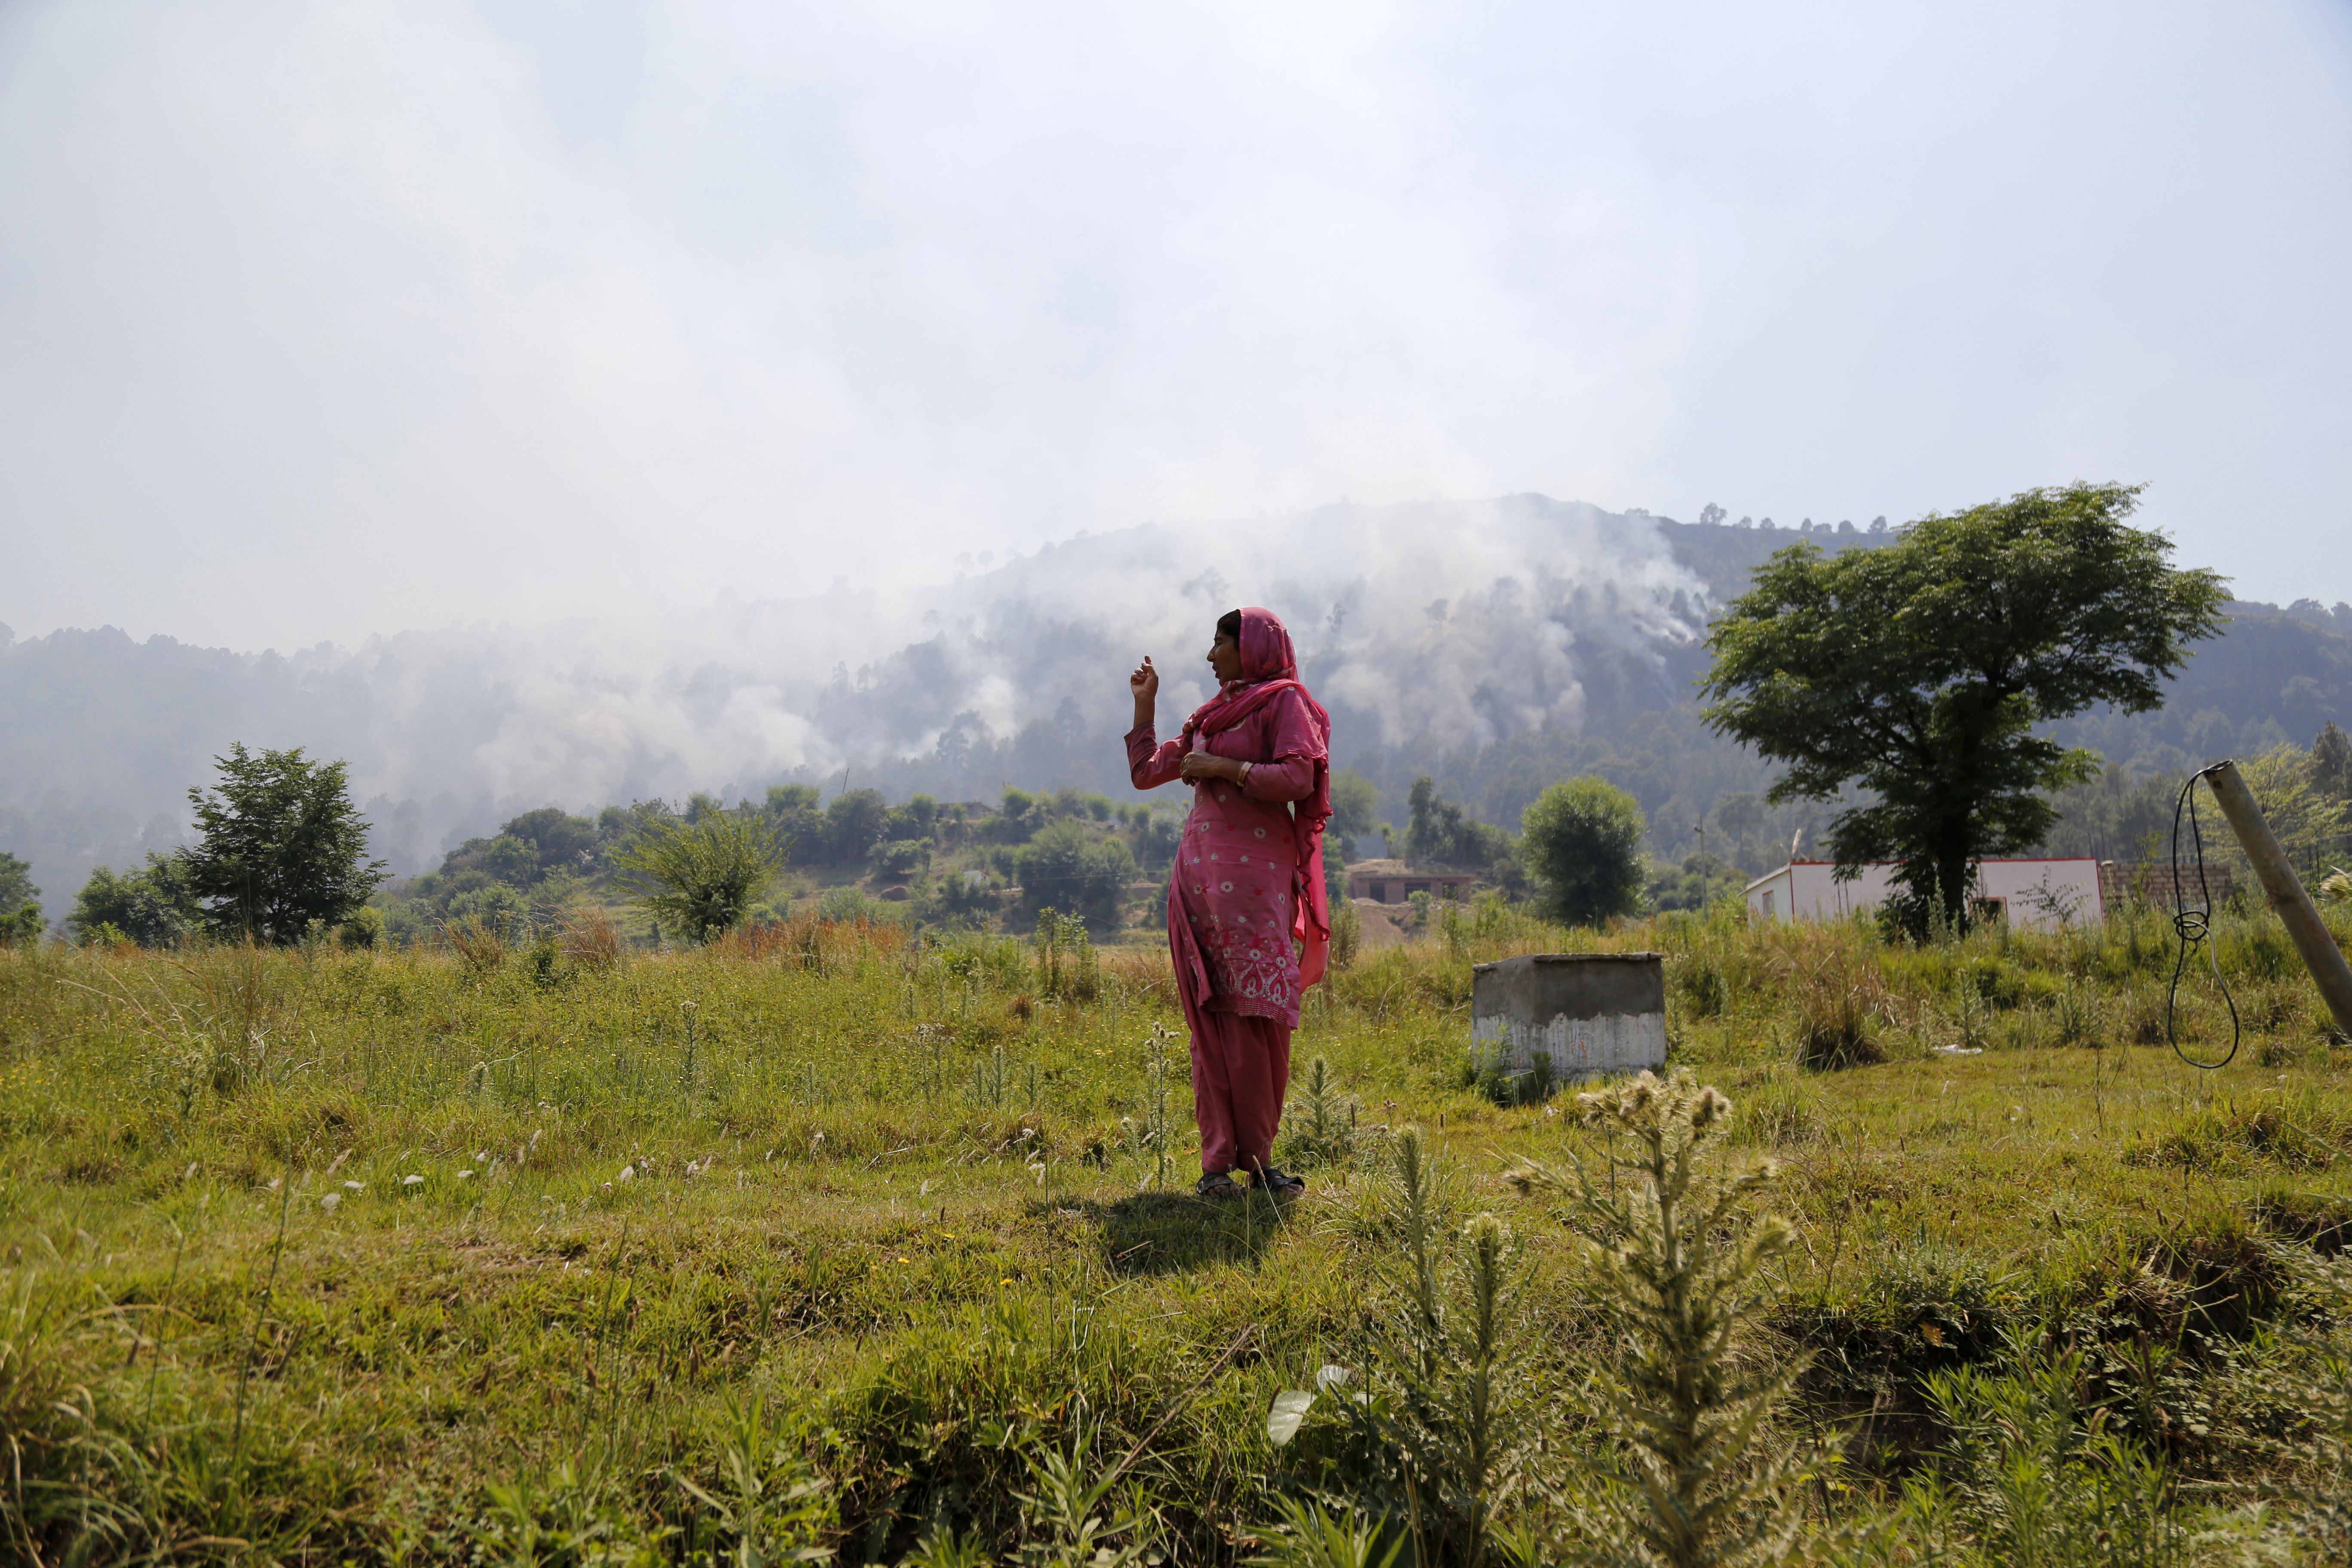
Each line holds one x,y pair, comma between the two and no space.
1240,1068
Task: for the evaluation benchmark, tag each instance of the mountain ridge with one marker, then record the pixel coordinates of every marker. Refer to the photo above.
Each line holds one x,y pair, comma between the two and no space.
1493,645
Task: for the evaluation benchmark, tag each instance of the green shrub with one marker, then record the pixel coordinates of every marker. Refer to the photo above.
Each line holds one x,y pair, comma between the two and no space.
701,878
1080,872
1837,1022
1582,842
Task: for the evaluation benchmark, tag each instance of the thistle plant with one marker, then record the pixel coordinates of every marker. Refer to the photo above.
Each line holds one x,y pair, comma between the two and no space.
988,1079
1680,1262
2077,1016
1445,1412
1157,1131
1320,1122
1067,962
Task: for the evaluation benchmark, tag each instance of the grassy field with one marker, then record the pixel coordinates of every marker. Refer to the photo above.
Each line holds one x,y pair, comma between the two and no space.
836,1241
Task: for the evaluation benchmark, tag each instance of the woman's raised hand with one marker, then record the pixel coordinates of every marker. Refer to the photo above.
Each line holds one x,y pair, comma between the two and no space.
1144,684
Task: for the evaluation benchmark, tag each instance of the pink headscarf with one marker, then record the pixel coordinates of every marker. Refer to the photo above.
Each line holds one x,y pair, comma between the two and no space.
1270,666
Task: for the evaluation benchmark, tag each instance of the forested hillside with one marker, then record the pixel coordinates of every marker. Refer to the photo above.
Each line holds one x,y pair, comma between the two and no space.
1555,640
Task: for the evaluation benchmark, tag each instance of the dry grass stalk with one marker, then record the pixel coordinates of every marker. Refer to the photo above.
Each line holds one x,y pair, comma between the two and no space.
592,939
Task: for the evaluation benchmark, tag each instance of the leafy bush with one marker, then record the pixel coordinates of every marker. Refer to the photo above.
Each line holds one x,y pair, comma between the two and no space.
1346,933
842,905
854,824
902,858
1582,840
1067,867
1438,833
155,907
23,927
702,877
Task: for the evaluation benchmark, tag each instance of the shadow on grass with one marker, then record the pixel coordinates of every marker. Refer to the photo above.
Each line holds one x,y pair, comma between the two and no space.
1169,1233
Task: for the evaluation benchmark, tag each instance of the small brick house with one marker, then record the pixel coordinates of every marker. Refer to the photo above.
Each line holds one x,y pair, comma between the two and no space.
1393,882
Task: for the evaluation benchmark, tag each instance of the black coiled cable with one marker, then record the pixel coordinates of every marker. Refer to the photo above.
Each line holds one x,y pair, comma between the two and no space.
2194,927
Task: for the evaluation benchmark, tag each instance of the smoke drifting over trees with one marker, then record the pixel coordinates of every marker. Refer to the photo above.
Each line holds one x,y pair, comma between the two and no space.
1456,622
1497,646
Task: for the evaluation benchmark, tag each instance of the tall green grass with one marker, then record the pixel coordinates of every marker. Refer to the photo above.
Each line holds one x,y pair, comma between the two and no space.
840,1238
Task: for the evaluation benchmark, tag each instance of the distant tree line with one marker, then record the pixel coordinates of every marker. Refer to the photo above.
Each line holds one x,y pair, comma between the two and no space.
1070,850
1909,689
1578,852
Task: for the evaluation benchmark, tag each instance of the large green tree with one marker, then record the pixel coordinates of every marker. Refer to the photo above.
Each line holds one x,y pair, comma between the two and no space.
16,888
279,845
1917,674
1355,809
1439,833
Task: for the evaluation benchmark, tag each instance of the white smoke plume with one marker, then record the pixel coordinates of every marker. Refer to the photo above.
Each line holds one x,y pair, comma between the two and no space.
1452,623
1446,623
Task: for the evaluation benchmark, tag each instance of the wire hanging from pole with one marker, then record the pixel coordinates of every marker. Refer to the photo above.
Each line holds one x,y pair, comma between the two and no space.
2194,927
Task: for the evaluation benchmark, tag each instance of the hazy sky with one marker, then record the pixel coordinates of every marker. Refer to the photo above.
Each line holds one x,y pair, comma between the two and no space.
326,319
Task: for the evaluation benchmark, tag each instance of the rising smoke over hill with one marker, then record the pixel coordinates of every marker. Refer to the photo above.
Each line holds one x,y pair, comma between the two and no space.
1495,644
1451,624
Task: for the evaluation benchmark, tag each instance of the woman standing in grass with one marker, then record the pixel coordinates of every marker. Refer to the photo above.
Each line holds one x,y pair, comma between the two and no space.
1248,878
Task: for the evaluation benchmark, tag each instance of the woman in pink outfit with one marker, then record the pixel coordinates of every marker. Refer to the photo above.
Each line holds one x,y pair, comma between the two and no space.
1248,879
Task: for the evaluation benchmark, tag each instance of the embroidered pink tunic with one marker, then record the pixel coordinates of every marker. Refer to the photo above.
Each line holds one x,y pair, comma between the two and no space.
1230,908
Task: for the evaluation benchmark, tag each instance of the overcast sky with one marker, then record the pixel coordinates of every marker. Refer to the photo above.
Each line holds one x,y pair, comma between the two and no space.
328,319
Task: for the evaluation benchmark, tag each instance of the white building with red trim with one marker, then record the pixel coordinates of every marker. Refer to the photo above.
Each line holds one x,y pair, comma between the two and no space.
2035,894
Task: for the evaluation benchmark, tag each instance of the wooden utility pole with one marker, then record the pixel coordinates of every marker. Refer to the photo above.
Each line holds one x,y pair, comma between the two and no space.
2295,910
1702,862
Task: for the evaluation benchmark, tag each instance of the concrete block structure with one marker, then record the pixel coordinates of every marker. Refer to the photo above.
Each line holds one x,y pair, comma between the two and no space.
1591,1012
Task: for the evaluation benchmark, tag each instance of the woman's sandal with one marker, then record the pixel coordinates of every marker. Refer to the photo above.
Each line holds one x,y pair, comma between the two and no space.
1282,1185
1217,1184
